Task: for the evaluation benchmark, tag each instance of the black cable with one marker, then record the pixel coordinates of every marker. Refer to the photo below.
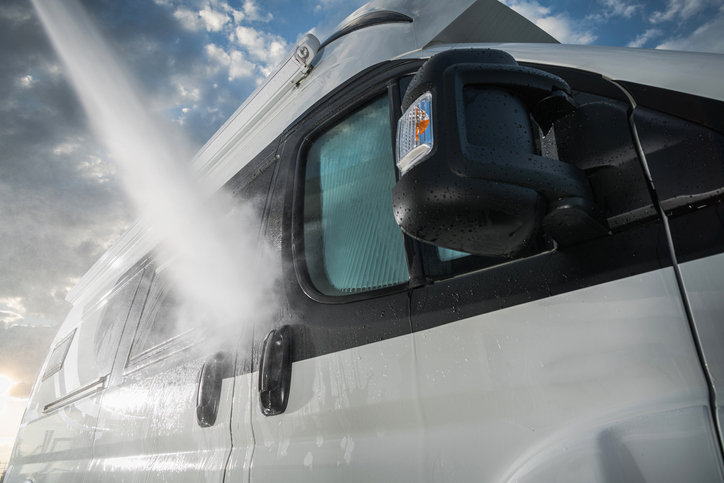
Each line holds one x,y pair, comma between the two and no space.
675,264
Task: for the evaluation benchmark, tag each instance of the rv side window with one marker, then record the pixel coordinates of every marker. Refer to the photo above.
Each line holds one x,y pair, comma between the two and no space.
161,321
57,357
351,241
109,330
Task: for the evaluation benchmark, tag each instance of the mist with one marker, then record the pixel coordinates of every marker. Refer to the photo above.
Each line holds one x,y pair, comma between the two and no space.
216,266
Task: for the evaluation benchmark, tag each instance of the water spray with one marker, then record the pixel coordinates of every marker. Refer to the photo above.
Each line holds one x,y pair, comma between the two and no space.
217,264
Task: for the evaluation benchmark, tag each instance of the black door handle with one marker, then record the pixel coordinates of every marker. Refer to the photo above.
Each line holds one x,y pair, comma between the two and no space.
216,368
275,371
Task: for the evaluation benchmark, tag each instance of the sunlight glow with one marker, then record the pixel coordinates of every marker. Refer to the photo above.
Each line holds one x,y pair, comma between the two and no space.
5,384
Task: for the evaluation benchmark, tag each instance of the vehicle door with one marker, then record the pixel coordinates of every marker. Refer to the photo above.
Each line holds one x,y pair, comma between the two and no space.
166,415
334,396
55,441
567,363
682,137
148,427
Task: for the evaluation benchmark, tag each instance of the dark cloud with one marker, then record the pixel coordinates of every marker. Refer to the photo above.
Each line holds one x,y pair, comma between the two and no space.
60,204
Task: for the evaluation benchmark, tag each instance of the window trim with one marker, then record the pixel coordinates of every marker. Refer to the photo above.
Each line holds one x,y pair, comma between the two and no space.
321,120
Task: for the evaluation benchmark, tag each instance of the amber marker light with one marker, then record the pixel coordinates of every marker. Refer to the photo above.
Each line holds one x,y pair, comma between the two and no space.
414,133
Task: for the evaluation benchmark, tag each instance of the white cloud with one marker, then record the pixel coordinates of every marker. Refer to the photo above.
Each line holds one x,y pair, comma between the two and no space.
681,9
26,81
239,67
207,18
217,54
707,38
645,37
620,8
189,19
562,29
533,11
9,317
251,10
265,47
215,16
559,26
213,20
65,148
238,16
11,309
96,169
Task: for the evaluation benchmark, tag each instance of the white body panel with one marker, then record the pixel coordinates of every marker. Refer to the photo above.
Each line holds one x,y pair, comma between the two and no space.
148,431
352,416
690,72
59,440
594,385
240,460
704,281
570,388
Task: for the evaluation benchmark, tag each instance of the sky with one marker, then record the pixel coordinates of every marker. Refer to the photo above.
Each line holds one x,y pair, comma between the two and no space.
61,201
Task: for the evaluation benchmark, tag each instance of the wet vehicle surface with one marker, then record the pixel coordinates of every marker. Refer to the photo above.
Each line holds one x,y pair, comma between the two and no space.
498,262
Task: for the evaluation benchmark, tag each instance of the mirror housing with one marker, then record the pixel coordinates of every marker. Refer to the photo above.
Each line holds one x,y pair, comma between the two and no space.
483,188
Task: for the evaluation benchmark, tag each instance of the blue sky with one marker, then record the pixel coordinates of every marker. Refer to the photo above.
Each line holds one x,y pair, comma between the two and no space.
674,24
61,204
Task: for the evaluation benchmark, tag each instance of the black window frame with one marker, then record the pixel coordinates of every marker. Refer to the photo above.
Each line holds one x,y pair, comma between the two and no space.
344,101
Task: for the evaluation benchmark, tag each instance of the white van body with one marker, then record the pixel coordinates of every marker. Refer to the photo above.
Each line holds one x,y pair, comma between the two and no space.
596,362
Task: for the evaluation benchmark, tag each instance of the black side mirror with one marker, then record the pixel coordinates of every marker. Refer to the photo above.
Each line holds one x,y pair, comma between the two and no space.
482,188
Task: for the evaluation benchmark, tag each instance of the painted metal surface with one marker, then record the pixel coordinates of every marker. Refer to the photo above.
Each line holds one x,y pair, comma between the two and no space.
147,430
690,72
239,461
352,416
601,384
55,439
704,282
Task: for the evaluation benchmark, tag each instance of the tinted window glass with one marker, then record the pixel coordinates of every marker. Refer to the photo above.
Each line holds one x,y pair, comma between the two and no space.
109,330
446,255
160,318
352,243
58,356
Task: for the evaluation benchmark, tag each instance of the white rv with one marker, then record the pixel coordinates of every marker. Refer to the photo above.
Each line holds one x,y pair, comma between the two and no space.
503,261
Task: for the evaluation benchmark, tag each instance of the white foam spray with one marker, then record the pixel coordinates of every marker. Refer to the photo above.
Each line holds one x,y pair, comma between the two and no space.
217,266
